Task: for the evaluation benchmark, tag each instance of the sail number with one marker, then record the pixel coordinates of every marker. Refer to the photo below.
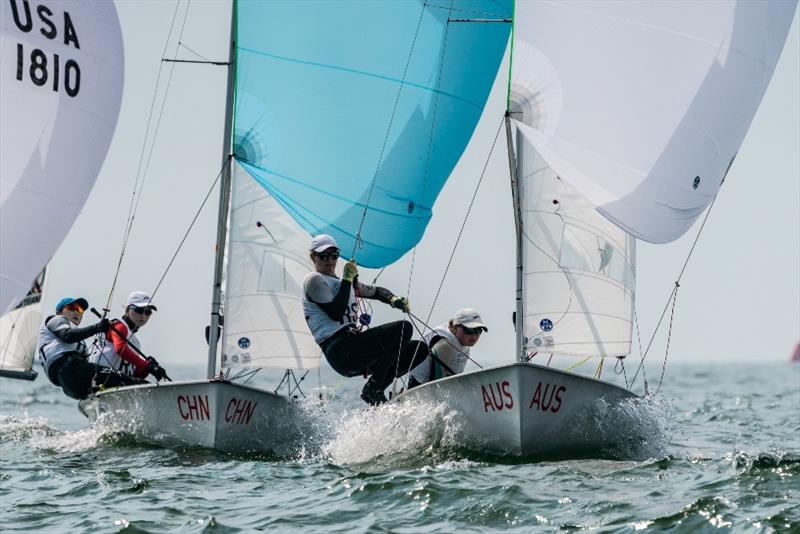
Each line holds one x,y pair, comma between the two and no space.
36,65
40,69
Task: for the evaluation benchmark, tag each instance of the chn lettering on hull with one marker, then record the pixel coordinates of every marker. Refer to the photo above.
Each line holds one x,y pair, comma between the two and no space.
239,411
193,407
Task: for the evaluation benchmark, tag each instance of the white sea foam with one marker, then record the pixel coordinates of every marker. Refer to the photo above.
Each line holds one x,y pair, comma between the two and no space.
396,429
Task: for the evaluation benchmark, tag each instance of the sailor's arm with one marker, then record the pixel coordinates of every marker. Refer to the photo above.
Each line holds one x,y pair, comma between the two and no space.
320,294
67,333
118,335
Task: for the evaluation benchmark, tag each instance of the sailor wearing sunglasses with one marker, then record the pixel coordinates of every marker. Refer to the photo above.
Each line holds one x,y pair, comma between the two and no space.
119,354
380,352
62,351
450,343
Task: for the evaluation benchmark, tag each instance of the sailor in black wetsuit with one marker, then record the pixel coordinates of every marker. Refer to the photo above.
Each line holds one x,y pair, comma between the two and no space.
382,352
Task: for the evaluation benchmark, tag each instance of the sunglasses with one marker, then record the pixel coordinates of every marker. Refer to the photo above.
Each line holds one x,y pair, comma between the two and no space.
325,256
143,311
75,307
472,331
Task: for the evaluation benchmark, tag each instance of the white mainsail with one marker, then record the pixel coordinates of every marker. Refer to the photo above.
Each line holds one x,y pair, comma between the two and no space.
579,279
19,331
264,319
60,94
645,104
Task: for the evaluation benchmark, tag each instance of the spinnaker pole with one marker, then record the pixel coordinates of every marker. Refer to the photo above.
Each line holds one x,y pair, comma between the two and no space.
224,204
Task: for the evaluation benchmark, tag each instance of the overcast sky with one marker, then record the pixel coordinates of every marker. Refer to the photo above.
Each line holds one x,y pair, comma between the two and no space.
739,299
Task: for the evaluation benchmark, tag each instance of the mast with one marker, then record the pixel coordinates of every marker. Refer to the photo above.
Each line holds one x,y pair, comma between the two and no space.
515,194
224,204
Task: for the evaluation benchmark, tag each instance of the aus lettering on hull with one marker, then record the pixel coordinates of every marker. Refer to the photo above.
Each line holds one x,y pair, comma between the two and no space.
497,397
547,399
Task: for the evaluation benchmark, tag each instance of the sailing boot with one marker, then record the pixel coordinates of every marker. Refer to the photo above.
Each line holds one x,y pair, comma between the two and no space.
372,393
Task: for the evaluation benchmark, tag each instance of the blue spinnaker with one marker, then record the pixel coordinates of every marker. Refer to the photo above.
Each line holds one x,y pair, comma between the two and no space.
353,114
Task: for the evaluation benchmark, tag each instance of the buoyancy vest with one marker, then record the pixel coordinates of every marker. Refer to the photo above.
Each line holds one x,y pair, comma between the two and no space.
454,355
104,353
50,347
321,325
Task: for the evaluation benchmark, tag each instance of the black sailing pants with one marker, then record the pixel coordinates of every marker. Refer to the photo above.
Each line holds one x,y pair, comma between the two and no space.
384,352
75,375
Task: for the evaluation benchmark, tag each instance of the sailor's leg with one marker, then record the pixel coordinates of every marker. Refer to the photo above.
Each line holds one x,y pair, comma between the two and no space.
75,377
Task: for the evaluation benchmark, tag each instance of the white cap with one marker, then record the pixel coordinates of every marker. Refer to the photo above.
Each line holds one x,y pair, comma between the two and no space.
470,318
140,299
323,242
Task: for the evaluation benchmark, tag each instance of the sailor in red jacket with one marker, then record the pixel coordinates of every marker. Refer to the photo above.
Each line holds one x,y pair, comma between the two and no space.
119,351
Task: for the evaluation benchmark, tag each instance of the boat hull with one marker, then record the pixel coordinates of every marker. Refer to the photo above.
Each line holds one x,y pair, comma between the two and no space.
211,414
524,409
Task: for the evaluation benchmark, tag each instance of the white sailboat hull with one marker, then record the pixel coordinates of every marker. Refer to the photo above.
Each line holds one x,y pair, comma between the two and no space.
524,409
211,414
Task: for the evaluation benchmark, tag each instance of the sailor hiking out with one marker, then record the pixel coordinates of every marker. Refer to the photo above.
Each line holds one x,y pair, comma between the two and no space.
62,351
449,345
382,352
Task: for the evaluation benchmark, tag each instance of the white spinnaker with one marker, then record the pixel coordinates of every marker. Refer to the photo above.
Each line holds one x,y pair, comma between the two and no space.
60,93
579,280
19,330
643,105
265,323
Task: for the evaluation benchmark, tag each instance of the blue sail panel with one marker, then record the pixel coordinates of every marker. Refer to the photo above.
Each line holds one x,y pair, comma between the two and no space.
353,114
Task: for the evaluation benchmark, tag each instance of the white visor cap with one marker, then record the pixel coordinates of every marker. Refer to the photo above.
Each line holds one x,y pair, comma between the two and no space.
323,242
470,318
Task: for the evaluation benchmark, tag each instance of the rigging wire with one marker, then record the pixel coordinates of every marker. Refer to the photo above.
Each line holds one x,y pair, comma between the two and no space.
142,168
674,292
388,130
669,337
430,139
191,225
466,217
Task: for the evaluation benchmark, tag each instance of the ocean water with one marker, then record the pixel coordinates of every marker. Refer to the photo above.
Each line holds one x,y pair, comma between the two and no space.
721,453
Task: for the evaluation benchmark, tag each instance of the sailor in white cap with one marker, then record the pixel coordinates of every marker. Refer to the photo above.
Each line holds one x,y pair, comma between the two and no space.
119,354
381,352
450,344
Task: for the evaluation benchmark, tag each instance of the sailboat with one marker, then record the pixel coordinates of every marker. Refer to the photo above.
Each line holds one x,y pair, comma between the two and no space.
59,109
19,330
274,194
626,132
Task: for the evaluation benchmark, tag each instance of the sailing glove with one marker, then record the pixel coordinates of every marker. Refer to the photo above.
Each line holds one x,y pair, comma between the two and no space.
103,325
350,271
400,303
156,370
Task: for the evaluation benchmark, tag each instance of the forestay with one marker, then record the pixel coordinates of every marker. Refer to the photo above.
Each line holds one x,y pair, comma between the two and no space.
61,87
579,282
362,105
644,105
264,319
